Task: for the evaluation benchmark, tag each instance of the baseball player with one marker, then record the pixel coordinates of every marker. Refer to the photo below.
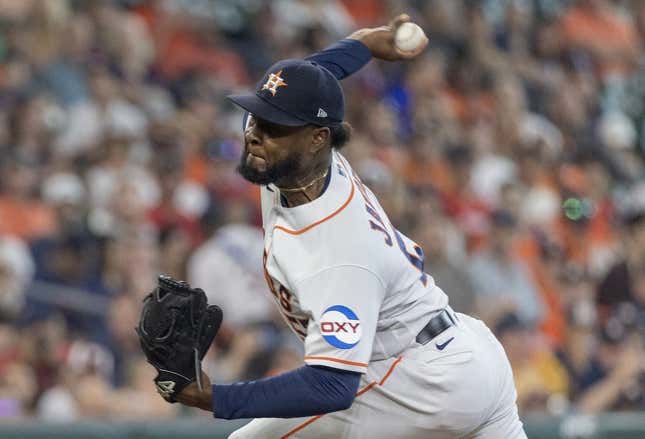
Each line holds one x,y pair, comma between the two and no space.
385,355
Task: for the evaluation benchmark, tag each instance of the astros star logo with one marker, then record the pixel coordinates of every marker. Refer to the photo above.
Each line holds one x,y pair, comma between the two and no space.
274,82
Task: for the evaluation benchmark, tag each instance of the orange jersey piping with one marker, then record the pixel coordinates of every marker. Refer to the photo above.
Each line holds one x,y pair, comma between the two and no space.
328,217
365,389
351,363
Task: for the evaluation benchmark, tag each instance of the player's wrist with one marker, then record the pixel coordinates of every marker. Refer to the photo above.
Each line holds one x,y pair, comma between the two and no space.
368,38
206,401
203,399
193,397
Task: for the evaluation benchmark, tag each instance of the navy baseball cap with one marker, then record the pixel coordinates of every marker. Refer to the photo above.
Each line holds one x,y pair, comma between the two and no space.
295,92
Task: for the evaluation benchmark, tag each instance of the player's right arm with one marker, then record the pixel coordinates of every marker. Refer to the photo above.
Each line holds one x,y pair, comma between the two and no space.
350,54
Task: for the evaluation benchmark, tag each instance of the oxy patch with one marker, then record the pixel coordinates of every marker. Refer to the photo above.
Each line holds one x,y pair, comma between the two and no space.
340,327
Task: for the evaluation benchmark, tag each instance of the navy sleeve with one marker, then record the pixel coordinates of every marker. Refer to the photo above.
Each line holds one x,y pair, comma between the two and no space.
343,58
307,391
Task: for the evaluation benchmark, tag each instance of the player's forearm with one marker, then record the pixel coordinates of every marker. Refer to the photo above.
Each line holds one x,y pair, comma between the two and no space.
350,54
306,391
343,58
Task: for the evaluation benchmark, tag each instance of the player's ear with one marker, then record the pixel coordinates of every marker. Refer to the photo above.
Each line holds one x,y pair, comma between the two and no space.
320,138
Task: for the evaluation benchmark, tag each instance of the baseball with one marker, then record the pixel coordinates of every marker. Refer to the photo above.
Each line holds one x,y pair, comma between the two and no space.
408,37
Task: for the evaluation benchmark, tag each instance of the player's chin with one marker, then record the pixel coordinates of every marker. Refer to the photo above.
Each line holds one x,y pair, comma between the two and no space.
253,171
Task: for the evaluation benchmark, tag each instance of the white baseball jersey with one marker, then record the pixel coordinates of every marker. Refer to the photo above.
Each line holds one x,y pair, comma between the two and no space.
353,288
347,282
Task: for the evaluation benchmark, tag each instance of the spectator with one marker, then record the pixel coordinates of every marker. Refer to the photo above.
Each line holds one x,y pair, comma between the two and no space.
16,273
18,384
539,377
598,28
503,284
137,399
21,213
237,247
623,283
450,275
617,384
578,352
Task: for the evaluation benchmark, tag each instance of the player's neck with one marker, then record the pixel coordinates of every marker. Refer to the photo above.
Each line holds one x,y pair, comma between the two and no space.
304,190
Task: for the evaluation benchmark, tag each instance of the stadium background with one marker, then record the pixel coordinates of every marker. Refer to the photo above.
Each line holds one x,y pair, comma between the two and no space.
512,152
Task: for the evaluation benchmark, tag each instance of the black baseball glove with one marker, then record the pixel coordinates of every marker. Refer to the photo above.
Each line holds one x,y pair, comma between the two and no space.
176,328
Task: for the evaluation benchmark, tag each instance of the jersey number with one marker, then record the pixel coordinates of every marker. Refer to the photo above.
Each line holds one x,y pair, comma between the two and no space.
377,223
417,260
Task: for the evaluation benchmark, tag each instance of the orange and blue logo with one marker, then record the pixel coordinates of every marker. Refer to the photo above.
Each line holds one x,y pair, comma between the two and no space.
340,327
274,81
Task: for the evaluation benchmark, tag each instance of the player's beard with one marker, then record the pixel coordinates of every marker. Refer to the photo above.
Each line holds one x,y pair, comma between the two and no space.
272,173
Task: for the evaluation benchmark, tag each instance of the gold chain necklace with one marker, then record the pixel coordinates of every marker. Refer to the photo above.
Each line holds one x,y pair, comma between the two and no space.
304,188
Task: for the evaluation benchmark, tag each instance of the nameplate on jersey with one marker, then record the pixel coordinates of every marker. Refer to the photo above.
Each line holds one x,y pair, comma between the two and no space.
340,327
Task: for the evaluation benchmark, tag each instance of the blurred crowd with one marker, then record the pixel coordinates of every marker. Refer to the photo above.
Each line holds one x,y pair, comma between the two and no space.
512,151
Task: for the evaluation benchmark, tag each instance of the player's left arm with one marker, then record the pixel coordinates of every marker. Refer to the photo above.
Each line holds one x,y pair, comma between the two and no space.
345,302
306,391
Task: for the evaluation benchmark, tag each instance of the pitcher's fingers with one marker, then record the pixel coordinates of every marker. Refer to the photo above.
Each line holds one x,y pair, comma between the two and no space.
398,21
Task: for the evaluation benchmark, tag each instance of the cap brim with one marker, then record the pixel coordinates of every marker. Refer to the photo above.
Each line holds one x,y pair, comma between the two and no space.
264,110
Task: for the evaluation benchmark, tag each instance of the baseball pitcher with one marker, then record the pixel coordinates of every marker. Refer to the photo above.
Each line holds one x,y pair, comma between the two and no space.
385,355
